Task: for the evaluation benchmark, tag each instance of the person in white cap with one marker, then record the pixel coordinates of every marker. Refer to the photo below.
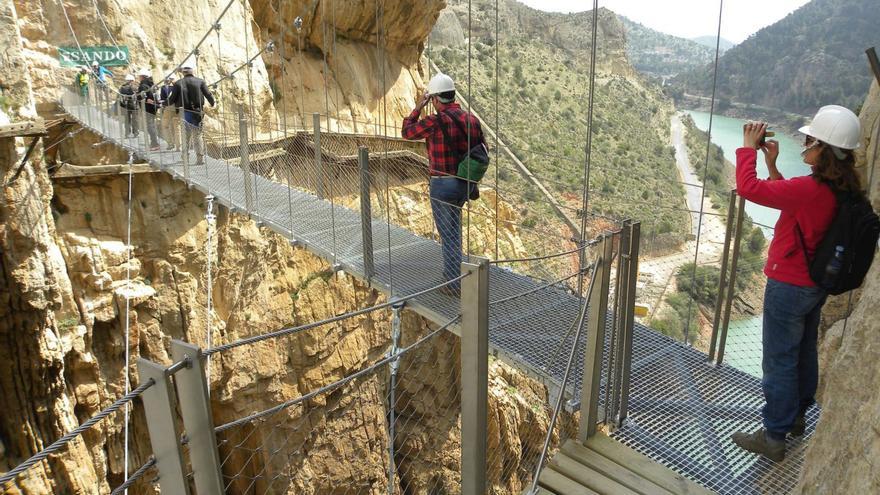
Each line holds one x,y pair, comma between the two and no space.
190,93
793,299
128,103
147,94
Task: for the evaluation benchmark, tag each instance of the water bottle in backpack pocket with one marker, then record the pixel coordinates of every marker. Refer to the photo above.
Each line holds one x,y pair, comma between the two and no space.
845,253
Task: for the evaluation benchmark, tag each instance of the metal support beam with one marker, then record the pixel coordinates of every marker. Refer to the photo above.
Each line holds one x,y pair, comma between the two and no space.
366,212
319,165
635,235
731,285
244,159
474,375
722,279
195,407
597,307
164,435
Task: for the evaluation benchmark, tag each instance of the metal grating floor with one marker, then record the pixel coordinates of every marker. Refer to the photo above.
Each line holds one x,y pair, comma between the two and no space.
682,409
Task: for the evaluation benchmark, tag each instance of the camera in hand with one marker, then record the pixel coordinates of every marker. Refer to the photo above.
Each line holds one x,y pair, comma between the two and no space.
767,134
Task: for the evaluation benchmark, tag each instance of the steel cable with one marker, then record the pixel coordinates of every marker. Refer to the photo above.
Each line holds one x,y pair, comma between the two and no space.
309,326
687,324
61,442
135,476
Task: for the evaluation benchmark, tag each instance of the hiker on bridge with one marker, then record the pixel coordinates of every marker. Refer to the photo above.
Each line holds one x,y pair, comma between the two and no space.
81,84
101,73
147,94
190,93
170,129
128,103
810,210
449,134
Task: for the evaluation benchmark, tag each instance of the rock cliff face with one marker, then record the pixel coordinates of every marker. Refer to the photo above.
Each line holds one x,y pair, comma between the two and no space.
842,455
334,64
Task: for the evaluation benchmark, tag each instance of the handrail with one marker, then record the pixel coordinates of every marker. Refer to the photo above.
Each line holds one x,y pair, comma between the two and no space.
293,330
568,366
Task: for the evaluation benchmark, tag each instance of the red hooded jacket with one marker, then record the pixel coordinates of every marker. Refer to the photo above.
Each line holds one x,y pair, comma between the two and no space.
803,201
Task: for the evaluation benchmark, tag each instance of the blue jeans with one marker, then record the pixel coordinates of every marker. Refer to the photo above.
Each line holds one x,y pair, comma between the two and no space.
790,362
448,194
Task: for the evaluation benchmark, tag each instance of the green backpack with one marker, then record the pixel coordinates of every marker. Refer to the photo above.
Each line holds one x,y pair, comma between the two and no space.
473,164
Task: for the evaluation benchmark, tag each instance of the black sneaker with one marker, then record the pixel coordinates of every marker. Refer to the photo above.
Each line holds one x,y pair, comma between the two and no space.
799,427
760,443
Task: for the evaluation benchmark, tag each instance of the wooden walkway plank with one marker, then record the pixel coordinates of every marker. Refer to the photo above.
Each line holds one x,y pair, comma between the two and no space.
644,466
562,485
595,480
623,475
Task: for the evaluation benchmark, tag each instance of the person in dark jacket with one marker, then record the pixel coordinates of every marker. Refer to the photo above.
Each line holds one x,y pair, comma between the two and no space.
170,129
147,94
128,103
792,300
189,94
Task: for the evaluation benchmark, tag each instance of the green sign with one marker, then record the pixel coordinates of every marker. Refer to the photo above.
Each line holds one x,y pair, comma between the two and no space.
108,56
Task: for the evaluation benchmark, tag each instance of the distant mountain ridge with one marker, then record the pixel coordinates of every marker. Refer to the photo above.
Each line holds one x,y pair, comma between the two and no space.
659,54
814,56
710,42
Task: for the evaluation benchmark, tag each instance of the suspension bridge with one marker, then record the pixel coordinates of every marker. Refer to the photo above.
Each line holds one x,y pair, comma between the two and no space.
329,192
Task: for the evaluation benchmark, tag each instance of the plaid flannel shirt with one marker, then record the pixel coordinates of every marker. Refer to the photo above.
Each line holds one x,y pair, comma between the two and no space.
441,155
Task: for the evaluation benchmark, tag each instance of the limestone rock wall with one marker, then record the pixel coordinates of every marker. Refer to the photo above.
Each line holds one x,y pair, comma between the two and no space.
842,455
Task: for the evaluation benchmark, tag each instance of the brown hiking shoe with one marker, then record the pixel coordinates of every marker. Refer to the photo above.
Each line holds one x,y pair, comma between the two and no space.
759,443
799,427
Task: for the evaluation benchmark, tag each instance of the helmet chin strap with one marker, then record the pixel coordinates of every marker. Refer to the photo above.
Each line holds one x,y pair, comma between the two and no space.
837,152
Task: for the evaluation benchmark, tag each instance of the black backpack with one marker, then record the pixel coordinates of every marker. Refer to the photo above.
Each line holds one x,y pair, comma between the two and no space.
855,228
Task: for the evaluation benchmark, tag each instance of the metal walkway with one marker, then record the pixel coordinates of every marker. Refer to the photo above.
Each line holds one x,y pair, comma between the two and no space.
682,409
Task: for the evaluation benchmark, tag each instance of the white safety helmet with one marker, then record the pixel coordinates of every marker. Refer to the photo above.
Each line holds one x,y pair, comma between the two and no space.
129,77
836,126
145,73
440,83
188,65
95,63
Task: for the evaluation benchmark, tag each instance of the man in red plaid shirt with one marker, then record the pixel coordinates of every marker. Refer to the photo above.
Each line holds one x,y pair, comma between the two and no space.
448,135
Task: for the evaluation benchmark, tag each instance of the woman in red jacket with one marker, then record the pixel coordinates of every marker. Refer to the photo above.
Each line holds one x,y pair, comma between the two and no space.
792,301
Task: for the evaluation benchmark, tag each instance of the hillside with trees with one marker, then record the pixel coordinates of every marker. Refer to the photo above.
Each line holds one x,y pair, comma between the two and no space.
663,55
814,56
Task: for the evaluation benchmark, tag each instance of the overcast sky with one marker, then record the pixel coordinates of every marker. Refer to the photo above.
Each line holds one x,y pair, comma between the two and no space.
687,18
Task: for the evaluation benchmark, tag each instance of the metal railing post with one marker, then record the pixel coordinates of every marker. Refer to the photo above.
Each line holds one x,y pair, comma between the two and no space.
144,132
474,375
164,435
722,279
185,142
731,283
319,166
195,407
244,159
366,212
622,299
598,307
627,338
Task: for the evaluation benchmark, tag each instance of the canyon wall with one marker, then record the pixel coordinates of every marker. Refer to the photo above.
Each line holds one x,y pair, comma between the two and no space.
842,455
